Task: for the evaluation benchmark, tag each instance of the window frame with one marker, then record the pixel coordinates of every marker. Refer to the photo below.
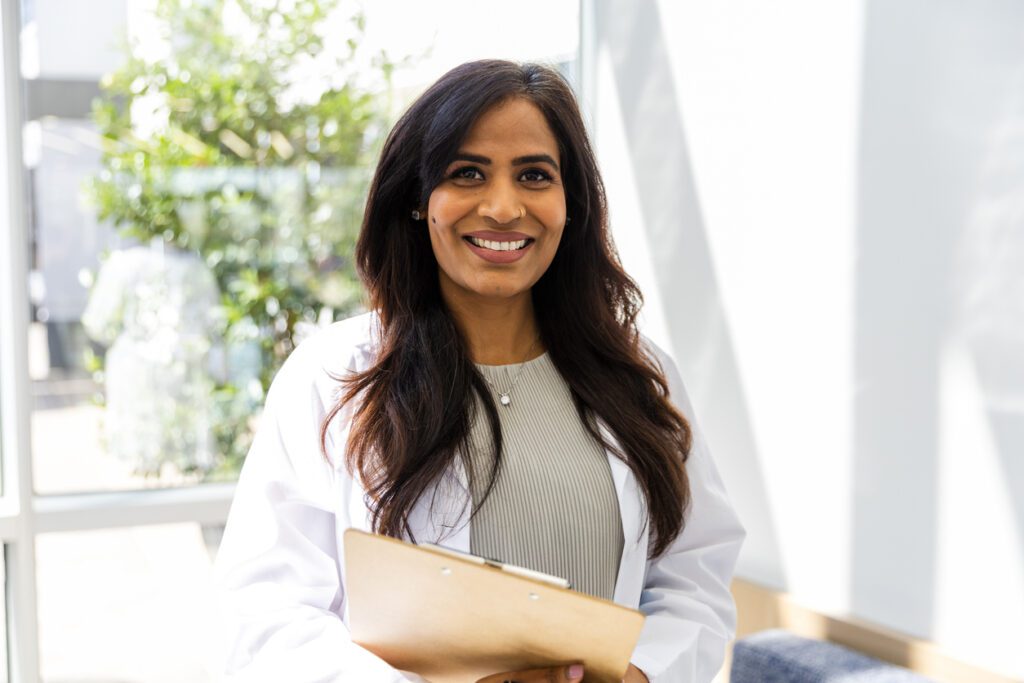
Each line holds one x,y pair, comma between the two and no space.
23,514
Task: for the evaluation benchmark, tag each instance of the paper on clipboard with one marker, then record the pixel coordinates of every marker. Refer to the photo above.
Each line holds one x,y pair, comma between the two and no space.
454,619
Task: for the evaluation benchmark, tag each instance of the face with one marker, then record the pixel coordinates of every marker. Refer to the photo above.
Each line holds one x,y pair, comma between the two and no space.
497,216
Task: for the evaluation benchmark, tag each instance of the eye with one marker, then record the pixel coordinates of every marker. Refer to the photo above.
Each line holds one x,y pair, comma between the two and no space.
466,173
535,175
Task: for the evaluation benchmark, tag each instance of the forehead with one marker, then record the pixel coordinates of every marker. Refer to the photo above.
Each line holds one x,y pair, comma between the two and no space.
515,127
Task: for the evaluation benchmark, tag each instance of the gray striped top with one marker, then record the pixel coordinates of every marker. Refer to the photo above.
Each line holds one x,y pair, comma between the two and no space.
553,507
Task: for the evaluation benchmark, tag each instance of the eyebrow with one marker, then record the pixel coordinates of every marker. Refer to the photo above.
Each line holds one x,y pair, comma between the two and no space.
518,161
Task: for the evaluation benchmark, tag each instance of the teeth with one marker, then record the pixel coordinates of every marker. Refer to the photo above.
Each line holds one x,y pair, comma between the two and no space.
498,246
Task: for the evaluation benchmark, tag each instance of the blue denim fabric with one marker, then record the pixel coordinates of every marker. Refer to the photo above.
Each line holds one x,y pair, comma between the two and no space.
780,657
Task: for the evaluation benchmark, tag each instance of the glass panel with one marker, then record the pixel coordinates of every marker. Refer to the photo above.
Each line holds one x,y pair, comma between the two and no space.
131,604
195,201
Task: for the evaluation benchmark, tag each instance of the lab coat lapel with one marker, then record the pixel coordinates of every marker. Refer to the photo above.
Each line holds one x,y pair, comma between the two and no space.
629,583
442,513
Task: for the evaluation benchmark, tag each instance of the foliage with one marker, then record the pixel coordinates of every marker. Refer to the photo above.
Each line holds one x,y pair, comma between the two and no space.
246,143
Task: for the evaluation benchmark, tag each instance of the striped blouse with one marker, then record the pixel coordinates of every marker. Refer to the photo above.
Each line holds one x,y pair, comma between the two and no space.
553,507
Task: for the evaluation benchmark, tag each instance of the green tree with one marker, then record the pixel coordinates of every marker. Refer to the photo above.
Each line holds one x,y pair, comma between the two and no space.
246,144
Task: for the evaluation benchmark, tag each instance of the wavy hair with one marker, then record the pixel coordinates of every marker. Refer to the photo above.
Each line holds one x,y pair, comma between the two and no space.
413,407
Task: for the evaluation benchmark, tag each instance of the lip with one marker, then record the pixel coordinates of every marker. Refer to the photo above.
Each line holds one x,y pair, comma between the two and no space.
495,236
498,256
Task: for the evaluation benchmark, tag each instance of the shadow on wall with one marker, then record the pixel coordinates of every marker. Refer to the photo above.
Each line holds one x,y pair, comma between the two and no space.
939,245
989,307
631,32
938,261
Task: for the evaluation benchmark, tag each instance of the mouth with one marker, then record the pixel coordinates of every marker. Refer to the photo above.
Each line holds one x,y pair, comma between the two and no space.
502,245
499,252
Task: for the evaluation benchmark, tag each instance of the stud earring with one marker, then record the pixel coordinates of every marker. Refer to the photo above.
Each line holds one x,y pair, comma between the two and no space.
415,215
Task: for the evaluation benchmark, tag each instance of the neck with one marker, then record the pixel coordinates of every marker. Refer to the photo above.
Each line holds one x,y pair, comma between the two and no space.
497,332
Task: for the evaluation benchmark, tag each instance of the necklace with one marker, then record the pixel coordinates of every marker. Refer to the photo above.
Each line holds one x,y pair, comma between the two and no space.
505,397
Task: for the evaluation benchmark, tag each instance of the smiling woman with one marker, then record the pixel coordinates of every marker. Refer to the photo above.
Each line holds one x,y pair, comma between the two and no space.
492,280
496,218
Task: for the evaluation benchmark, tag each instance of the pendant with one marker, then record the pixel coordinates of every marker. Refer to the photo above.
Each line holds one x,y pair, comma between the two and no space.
505,399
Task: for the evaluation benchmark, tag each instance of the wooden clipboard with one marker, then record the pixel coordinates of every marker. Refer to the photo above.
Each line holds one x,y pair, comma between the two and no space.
454,620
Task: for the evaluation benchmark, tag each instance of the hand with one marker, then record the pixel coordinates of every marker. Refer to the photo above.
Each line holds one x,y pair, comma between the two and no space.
553,674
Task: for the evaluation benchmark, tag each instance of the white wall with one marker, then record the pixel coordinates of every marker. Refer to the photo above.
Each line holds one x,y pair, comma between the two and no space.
824,204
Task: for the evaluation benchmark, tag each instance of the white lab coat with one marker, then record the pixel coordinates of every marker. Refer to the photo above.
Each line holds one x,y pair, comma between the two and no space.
280,569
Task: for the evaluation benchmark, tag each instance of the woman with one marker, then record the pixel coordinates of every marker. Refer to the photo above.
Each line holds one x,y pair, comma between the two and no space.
498,399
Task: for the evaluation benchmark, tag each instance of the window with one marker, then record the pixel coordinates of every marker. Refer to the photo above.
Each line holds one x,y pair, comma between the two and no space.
155,270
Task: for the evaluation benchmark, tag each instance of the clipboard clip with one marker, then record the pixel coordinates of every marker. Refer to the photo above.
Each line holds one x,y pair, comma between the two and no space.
503,566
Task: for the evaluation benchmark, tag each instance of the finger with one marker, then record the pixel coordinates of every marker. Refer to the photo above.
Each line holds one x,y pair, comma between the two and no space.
573,673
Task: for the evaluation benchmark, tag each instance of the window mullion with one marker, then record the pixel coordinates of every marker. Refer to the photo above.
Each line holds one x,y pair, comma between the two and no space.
15,399
205,504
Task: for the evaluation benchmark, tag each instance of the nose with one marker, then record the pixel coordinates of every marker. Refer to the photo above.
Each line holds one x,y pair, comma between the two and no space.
501,203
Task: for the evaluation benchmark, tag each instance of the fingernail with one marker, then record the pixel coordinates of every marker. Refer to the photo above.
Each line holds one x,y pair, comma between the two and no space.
576,671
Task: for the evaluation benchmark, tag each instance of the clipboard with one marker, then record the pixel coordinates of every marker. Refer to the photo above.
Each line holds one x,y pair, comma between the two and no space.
455,619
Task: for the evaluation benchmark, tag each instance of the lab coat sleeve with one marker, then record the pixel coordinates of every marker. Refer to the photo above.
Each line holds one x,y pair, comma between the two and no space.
278,568
691,615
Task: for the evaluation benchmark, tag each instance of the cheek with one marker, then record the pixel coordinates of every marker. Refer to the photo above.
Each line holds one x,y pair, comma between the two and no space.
552,213
443,246
553,218
444,209
439,223
553,242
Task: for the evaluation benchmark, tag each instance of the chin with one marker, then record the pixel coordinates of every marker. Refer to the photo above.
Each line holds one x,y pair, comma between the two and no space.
503,290
502,293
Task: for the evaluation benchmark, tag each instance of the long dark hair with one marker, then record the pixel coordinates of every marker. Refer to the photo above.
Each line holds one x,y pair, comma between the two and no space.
414,405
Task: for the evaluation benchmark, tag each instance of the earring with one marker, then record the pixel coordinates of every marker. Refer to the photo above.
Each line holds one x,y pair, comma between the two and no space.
415,215
567,220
